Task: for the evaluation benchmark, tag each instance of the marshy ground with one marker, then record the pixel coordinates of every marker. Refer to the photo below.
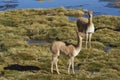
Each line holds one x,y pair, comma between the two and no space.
20,60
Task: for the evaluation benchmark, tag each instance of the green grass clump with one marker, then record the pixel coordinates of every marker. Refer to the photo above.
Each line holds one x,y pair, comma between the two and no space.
109,22
110,37
18,27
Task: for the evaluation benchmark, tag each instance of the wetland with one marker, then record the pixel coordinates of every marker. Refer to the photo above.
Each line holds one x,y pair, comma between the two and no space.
23,56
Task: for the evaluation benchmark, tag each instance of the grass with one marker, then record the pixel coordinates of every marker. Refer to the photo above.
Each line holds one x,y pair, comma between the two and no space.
22,61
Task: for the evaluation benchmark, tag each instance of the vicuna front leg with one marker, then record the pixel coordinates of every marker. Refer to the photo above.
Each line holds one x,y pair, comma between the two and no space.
52,63
86,41
72,60
71,64
90,35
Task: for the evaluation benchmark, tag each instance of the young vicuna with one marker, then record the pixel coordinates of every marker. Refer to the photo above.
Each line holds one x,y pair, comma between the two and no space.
86,26
70,50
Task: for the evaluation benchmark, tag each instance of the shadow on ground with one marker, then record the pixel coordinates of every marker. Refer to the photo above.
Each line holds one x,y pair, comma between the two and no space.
21,67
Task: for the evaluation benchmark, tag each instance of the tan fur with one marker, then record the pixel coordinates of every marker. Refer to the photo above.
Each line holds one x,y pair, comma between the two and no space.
82,24
86,26
70,50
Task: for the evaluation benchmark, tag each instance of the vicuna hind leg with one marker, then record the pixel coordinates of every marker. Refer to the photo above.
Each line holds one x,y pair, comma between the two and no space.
54,61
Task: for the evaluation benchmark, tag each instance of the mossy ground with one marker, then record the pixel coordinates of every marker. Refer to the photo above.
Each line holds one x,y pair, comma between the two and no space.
22,61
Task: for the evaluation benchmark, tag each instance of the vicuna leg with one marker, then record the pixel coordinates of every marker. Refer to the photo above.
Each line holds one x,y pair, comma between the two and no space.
69,65
72,60
86,36
54,61
90,35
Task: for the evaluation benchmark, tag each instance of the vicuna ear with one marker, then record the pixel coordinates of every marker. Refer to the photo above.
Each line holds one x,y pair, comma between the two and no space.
90,12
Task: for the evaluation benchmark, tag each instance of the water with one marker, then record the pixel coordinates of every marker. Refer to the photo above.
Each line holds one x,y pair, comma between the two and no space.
37,42
99,7
108,48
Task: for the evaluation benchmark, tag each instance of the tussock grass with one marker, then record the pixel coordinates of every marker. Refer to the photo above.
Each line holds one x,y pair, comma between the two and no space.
109,22
110,37
19,26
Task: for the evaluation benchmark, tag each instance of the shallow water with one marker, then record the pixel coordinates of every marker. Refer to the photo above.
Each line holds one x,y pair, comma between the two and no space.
98,6
37,42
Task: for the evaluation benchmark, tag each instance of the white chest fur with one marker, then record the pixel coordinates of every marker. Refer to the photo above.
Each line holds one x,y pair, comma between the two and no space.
76,52
90,29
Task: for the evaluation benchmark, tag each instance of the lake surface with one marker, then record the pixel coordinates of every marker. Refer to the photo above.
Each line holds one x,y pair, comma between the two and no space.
98,6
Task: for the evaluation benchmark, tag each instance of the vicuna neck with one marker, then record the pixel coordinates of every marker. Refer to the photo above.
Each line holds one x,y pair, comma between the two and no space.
90,19
79,44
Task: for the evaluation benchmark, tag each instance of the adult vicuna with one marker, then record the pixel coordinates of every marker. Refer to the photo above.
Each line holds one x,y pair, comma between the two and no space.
86,26
70,50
